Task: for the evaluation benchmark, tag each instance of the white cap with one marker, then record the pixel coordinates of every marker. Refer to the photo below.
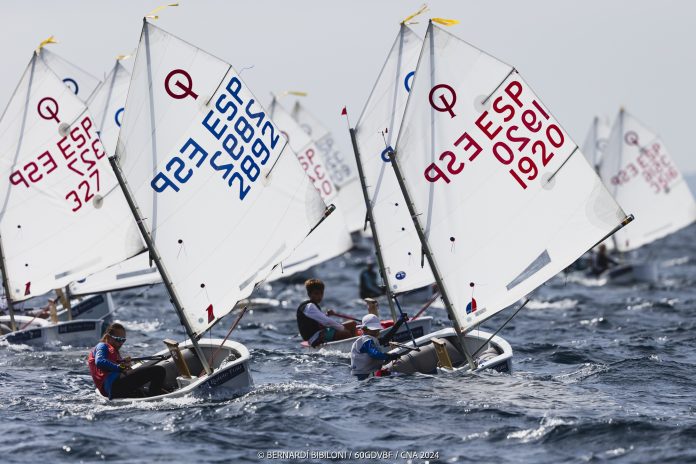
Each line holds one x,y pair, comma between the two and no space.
370,322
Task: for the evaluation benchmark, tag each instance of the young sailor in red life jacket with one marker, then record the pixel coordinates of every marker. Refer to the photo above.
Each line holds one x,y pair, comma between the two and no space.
366,355
112,374
315,326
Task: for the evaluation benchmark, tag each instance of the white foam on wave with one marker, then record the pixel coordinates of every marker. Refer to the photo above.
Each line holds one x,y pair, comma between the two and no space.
675,262
143,326
565,303
546,425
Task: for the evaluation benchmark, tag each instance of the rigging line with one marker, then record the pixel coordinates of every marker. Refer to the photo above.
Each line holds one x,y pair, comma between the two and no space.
413,340
501,328
562,164
282,150
513,70
219,84
234,325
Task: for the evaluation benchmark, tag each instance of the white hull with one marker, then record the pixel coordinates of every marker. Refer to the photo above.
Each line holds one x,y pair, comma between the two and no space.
419,327
90,317
99,306
40,332
629,273
497,355
231,377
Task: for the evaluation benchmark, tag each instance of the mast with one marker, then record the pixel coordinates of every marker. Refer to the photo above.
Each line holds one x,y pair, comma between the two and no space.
158,262
433,267
618,166
6,285
370,218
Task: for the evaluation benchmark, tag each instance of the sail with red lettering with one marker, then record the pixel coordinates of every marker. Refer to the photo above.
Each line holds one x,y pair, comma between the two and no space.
221,194
107,105
79,81
341,167
503,195
639,172
376,133
596,141
331,238
62,214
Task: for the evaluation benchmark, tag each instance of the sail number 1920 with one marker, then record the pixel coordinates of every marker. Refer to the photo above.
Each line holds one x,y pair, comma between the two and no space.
522,133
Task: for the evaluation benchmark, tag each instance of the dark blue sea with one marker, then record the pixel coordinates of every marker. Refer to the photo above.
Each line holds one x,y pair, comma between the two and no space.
601,373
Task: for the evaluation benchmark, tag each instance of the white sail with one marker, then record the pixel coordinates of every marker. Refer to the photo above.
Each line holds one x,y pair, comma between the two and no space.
644,179
107,105
342,168
376,132
505,198
331,238
223,199
133,272
77,79
596,141
62,215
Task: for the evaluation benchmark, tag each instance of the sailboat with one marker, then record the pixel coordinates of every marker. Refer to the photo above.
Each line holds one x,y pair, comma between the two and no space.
500,196
638,170
59,219
332,238
342,169
217,195
596,141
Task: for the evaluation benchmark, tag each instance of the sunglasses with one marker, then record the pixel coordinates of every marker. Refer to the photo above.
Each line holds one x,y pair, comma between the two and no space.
118,339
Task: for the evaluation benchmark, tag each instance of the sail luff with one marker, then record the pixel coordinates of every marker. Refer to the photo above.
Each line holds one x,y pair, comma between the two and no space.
148,59
30,67
373,228
149,241
108,95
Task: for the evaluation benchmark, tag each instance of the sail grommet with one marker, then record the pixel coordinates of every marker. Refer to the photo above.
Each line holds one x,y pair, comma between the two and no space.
98,201
482,103
548,181
63,129
179,241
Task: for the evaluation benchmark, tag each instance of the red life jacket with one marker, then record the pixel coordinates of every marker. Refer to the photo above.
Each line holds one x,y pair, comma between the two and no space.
99,375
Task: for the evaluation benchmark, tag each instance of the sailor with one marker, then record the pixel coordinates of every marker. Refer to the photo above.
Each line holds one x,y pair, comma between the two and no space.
369,283
602,261
366,355
315,326
112,374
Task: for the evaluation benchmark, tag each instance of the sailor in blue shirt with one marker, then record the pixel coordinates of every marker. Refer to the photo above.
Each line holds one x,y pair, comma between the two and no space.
366,355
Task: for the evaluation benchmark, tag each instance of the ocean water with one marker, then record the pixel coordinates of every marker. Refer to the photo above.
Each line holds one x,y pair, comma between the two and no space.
601,373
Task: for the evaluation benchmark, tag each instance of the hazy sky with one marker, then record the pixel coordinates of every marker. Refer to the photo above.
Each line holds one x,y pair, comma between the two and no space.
583,58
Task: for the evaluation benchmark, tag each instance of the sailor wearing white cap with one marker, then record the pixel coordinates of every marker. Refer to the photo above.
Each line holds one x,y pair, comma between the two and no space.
366,357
